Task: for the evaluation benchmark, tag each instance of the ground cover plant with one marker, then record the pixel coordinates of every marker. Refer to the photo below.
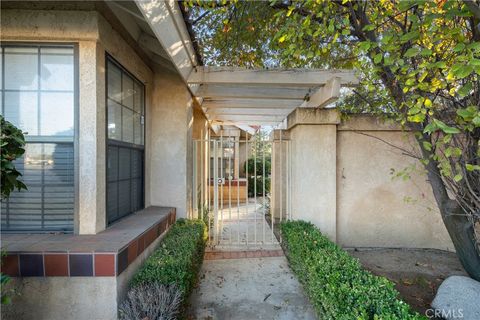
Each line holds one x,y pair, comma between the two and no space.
172,268
336,284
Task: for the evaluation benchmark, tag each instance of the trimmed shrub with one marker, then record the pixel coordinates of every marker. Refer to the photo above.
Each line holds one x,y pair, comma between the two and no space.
336,284
152,301
177,260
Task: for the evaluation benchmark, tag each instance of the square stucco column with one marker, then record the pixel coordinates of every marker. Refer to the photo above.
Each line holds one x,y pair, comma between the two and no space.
91,139
279,183
313,134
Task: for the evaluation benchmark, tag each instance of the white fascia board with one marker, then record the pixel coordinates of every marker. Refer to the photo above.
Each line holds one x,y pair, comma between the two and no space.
166,21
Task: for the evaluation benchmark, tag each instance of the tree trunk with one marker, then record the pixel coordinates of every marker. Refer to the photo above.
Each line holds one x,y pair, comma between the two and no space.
462,233
459,227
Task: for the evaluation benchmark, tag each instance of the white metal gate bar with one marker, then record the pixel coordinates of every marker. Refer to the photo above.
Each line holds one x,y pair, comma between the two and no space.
221,195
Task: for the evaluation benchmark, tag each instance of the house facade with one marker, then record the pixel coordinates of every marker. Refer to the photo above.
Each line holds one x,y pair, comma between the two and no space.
113,115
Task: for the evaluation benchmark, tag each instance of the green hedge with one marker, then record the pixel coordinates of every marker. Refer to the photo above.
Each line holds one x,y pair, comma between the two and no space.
178,258
336,283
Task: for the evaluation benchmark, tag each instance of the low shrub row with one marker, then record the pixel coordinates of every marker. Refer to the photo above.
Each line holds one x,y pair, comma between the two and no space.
172,269
335,282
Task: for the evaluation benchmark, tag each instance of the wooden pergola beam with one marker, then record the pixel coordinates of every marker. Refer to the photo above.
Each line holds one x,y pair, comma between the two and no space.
247,122
247,118
247,111
270,77
325,95
213,91
246,128
251,103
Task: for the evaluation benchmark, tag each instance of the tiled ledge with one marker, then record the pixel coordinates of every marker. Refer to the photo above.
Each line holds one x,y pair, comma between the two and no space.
107,253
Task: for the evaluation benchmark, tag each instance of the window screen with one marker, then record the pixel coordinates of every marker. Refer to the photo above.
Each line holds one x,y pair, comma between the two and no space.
125,150
38,96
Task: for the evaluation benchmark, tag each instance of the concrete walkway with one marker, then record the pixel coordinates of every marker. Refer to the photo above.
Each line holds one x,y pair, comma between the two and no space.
251,288
243,227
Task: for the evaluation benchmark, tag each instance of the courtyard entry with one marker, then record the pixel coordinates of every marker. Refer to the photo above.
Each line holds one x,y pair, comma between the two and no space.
241,187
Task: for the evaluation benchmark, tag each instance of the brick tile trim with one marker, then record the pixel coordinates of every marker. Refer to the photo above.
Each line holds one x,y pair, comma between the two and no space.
94,264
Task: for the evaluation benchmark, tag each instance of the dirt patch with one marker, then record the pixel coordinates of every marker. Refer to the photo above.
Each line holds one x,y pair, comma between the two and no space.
417,273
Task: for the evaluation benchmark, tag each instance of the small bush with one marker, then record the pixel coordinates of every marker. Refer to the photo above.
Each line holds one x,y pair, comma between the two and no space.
151,301
336,283
178,258
12,143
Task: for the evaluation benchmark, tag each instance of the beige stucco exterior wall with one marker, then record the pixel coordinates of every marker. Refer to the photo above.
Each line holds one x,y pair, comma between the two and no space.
374,210
170,135
342,182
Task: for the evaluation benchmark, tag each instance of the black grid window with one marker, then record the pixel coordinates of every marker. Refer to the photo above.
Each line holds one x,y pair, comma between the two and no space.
125,150
38,95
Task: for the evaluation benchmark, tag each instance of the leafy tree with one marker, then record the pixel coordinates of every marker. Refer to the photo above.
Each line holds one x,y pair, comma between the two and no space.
419,64
12,147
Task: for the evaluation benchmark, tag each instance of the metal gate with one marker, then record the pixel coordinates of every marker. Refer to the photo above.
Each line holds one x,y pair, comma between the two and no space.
241,187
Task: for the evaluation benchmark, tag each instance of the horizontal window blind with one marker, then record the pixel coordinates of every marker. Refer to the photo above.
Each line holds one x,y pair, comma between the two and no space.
48,203
38,96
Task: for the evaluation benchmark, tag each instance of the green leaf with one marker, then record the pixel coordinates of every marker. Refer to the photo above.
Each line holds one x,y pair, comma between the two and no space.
369,27
419,117
457,177
476,121
430,128
427,145
467,113
442,126
410,36
474,62
472,167
465,90
459,47
378,58
412,52
426,52
474,46
364,45
463,71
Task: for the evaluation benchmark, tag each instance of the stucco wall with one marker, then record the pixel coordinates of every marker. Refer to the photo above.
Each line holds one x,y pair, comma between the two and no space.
169,136
342,182
374,210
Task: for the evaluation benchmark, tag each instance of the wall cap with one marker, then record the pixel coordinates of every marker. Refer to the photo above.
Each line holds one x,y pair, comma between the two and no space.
313,116
368,122
277,133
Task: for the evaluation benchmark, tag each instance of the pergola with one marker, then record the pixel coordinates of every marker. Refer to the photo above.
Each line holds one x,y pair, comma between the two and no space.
235,96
